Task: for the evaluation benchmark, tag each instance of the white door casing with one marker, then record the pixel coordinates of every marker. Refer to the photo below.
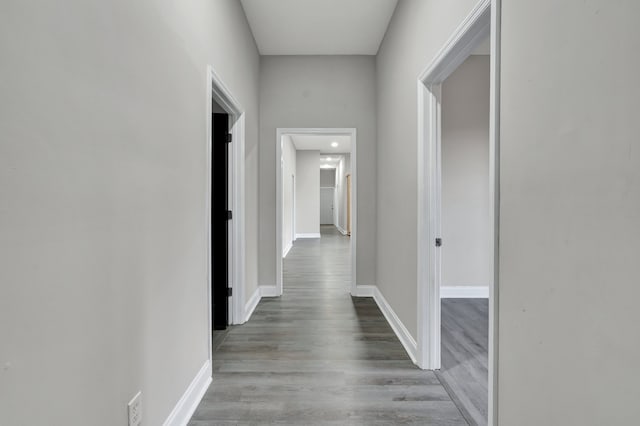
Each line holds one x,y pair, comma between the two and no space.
483,21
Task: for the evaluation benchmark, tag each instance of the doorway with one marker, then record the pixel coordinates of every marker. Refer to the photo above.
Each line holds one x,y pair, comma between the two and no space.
482,23
464,270
220,217
307,217
326,205
225,130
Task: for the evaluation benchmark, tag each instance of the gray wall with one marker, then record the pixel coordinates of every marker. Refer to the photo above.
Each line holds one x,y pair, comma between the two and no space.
465,175
570,213
102,206
328,178
288,196
319,91
308,192
417,31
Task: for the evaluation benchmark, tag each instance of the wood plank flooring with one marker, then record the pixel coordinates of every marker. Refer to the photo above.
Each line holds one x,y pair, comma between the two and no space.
317,356
465,328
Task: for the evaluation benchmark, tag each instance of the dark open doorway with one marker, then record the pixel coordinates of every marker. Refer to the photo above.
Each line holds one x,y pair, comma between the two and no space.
220,215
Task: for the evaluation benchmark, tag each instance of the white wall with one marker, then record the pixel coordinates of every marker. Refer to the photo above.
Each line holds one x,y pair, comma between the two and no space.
319,91
418,29
288,196
102,201
570,213
465,175
307,192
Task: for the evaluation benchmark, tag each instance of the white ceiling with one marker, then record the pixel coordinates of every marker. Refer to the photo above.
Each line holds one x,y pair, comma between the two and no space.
330,161
318,27
322,143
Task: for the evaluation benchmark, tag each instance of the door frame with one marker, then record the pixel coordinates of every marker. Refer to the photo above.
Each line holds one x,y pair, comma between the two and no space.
347,131
217,91
483,21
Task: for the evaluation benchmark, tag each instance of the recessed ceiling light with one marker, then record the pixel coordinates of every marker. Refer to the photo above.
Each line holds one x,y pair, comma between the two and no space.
328,159
334,144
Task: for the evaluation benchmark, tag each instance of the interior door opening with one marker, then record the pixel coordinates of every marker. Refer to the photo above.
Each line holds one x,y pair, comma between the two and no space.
434,234
224,211
220,216
464,267
327,195
322,192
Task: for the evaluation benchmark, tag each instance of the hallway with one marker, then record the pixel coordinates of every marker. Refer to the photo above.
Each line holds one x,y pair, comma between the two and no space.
317,356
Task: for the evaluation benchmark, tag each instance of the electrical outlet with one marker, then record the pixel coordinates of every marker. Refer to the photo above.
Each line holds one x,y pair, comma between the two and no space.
135,410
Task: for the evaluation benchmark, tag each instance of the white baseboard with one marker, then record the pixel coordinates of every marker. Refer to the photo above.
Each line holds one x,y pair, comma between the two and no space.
314,235
398,327
251,304
365,290
268,291
464,292
287,248
342,230
186,406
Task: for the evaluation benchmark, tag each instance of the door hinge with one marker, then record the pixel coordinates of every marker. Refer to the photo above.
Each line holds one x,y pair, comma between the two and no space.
229,291
229,215
229,137
438,242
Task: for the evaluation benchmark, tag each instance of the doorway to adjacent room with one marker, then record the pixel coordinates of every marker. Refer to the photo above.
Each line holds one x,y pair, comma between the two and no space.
315,186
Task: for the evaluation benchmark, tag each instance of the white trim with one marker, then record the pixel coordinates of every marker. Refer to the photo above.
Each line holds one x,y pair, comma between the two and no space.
311,235
280,132
217,91
464,292
408,342
494,212
341,229
287,249
238,222
365,291
251,305
268,291
186,406
483,20
469,34
428,219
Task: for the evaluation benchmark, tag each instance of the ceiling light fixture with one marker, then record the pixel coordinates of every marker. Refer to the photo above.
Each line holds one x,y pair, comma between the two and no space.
334,144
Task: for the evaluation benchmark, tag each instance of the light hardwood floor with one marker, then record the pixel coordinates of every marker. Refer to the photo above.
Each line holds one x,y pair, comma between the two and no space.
317,356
